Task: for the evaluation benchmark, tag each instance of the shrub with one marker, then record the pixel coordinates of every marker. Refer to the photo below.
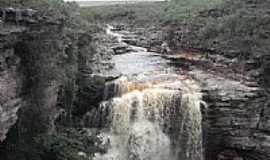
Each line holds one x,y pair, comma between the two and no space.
70,144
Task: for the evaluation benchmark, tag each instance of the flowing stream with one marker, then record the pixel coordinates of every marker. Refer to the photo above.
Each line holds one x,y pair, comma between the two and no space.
152,112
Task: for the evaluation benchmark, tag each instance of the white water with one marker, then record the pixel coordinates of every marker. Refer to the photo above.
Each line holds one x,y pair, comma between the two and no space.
119,38
150,113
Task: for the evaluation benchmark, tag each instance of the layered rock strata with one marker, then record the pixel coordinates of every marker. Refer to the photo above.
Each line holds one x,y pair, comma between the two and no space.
25,34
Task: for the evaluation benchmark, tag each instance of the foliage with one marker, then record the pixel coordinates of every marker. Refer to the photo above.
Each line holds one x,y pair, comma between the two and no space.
70,144
149,14
238,26
48,57
243,27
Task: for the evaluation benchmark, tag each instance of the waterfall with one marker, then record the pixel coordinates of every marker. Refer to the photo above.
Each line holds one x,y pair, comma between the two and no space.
150,113
152,121
118,36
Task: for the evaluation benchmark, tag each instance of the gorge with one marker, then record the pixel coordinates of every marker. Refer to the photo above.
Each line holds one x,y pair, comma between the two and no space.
153,112
181,80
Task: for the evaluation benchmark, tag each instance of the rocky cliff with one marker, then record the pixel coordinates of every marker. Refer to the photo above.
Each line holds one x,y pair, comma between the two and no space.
235,113
28,41
10,79
236,116
235,86
227,51
236,119
234,78
236,90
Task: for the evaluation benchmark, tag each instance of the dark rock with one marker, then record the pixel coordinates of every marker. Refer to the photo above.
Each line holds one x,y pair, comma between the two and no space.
18,36
130,39
118,27
10,81
229,155
120,49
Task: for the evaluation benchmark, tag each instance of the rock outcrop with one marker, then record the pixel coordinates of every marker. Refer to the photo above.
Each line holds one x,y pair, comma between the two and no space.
10,80
236,110
24,35
236,91
233,119
94,71
236,121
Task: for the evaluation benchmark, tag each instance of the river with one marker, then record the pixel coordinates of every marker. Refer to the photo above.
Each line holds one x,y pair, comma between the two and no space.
151,112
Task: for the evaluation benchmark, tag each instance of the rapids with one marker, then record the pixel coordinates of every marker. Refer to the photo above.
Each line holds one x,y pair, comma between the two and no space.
152,112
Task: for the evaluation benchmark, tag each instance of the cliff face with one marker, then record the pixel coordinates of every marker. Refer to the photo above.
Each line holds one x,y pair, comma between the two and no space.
27,40
235,121
10,79
236,110
236,90
94,71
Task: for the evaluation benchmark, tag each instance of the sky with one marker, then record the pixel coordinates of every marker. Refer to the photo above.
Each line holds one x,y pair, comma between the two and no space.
110,0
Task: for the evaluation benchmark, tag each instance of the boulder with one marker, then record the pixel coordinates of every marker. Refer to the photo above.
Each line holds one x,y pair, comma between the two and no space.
120,49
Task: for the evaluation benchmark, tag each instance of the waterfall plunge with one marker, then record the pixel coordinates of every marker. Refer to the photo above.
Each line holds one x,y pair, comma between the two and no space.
151,121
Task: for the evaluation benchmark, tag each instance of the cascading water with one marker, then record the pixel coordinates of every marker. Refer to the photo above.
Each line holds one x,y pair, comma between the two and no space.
150,115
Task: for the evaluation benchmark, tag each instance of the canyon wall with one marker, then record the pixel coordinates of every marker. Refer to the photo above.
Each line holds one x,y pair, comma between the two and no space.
29,43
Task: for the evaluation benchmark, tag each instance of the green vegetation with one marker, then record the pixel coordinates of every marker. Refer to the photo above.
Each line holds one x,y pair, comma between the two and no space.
149,14
239,25
70,144
243,26
51,60
235,28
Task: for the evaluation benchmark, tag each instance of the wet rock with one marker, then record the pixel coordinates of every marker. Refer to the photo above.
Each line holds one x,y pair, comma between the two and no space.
158,121
120,49
130,39
229,155
118,27
236,119
94,73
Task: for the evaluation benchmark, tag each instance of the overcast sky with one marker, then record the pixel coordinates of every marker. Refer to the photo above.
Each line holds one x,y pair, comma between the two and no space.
111,0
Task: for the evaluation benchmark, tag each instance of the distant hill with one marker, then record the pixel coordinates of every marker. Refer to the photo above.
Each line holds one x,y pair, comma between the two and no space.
120,2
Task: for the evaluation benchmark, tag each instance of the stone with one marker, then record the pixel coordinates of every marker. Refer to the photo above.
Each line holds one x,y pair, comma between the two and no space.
15,28
232,118
120,49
